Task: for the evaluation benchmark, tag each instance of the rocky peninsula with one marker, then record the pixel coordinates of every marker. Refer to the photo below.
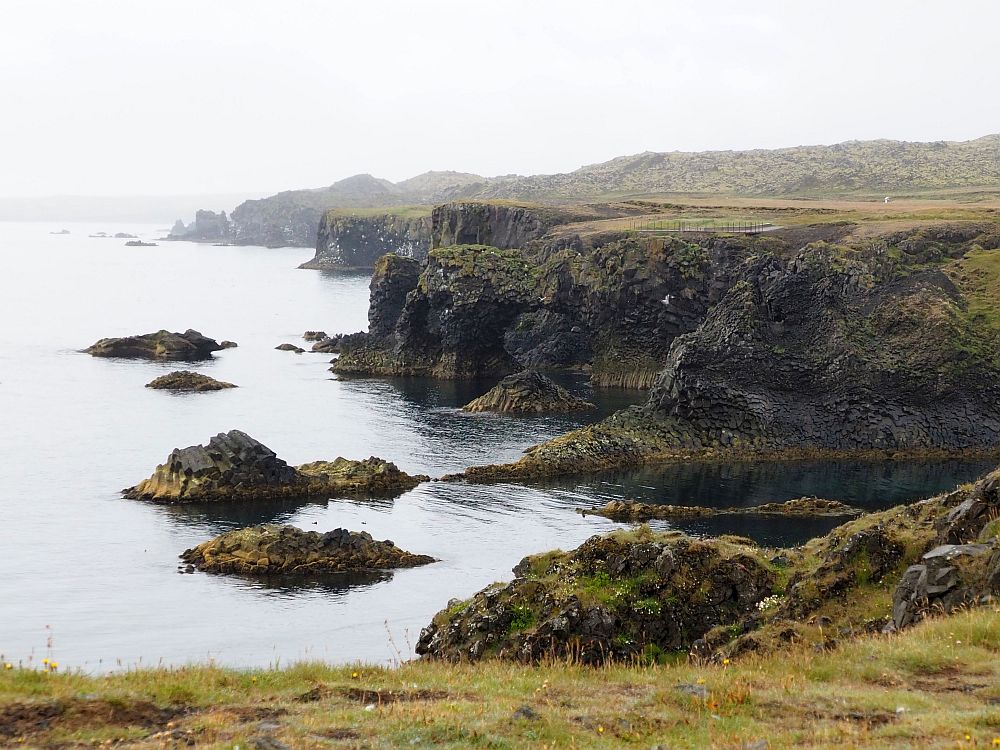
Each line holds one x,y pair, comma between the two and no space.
286,550
186,380
640,594
189,346
234,466
528,392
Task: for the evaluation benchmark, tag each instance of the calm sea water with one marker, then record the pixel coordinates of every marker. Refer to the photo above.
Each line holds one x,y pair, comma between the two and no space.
91,579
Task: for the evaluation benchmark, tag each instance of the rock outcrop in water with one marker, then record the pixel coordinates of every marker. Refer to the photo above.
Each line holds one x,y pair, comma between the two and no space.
642,595
528,392
346,241
634,512
186,380
286,550
207,226
189,346
234,466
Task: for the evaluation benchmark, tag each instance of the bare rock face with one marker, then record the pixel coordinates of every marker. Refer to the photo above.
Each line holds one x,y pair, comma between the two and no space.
946,578
528,392
234,466
186,380
286,550
189,346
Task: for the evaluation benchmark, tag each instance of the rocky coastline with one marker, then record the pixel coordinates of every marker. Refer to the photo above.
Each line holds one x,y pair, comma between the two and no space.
234,466
350,242
642,594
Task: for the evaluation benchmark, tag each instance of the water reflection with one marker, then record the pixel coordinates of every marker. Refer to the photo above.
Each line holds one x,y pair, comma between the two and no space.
329,585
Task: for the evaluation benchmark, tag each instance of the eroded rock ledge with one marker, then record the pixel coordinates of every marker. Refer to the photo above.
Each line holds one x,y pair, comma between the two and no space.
234,466
635,512
273,549
528,392
186,380
189,346
641,594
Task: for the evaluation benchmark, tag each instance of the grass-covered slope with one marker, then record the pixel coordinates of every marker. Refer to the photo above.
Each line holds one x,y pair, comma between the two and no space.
935,686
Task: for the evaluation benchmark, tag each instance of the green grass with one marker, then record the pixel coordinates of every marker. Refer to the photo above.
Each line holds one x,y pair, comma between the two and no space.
936,685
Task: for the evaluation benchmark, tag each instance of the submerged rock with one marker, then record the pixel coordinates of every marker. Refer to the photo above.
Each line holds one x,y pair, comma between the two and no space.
528,392
186,380
635,512
189,346
270,549
234,466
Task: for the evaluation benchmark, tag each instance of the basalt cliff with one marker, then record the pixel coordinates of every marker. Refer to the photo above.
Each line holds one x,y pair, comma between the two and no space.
355,241
799,339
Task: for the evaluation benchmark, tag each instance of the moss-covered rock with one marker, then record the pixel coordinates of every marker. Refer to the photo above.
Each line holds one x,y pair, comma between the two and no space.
528,392
234,466
186,380
286,550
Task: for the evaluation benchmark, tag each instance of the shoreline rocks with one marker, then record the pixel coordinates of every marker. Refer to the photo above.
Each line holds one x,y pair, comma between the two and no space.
189,346
635,512
186,380
289,348
234,466
272,549
528,392
641,595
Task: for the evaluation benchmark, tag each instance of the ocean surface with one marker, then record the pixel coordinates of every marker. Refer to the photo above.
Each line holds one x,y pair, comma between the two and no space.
91,580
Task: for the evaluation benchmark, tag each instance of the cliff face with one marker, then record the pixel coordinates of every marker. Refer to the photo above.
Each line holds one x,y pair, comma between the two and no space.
499,225
359,241
479,310
274,223
833,349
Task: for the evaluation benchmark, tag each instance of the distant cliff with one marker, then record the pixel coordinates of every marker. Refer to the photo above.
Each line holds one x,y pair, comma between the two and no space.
855,167
358,241
207,226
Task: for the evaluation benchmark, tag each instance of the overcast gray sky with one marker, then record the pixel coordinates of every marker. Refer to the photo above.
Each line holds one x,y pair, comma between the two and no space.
213,96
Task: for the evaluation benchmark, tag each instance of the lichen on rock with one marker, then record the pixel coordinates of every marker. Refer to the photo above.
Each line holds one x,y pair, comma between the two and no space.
286,550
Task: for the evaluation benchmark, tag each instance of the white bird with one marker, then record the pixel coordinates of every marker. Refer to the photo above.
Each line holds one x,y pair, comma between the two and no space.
666,300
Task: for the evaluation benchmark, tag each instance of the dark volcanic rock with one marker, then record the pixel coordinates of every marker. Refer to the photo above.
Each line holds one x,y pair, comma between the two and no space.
314,335
359,241
289,348
185,380
228,344
189,346
286,550
613,597
528,392
234,466
946,578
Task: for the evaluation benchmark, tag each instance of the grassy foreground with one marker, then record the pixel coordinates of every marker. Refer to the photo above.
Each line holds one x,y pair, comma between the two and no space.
935,685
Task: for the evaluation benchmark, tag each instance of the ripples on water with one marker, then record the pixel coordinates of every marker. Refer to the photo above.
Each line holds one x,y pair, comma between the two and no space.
99,573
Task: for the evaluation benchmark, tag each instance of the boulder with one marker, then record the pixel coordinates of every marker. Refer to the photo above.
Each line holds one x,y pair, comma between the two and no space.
289,348
228,344
286,550
528,392
946,578
186,380
234,466
314,335
189,346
